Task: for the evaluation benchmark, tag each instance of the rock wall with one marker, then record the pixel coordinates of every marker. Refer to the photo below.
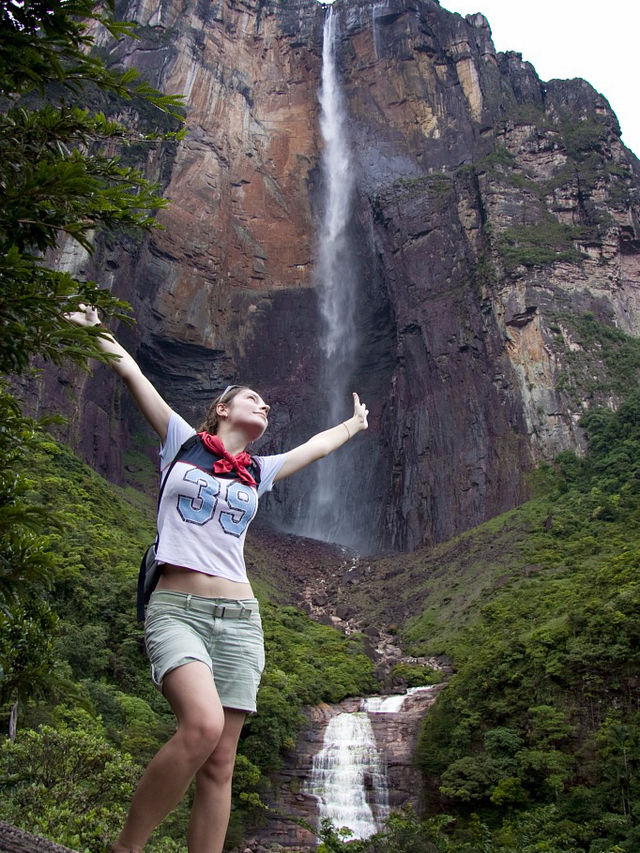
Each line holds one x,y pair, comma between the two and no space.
492,211
498,206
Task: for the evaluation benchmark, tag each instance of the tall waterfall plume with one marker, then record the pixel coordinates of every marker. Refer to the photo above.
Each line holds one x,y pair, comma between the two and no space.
336,285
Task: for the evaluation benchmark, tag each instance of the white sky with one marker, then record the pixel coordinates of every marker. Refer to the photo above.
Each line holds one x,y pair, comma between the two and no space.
594,39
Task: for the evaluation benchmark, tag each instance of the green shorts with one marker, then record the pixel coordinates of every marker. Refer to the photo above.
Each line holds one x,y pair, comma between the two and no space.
225,634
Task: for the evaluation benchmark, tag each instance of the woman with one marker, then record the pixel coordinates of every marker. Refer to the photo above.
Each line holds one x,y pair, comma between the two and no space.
202,628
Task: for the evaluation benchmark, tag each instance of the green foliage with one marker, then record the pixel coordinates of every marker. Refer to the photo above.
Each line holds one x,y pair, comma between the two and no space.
406,833
589,171
583,137
66,782
330,666
25,563
58,178
606,361
530,114
44,42
27,654
91,646
499,159
58,174
415,675
57,188
525,733
308,663
33,300
546,242
337,840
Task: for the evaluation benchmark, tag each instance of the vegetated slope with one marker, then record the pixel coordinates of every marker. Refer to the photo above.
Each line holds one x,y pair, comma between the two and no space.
543,716
534,745
83,738
537,734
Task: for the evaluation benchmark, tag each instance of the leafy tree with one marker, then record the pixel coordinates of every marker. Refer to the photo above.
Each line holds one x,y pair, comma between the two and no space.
29,660
66,782
58,175
59,179
619,758
25,562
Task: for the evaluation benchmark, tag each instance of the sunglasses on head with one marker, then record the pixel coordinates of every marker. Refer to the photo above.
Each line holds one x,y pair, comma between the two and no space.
226,391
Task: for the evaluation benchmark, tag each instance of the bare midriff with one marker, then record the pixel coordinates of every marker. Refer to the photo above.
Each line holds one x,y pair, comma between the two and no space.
179,579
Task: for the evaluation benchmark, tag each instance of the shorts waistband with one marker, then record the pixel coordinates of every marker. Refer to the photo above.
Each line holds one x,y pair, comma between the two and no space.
219,608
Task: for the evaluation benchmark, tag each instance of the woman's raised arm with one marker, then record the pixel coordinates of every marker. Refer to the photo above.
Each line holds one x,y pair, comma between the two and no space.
324,443
154,408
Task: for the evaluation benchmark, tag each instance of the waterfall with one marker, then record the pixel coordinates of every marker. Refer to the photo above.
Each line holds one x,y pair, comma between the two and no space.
349,773
393,704
348,766
377,9
382,704
335,283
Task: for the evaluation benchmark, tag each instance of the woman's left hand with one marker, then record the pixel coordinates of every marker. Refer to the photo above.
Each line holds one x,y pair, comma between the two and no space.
360,412
325,442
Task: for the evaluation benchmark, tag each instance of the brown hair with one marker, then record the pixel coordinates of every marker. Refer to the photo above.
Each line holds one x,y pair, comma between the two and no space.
211,419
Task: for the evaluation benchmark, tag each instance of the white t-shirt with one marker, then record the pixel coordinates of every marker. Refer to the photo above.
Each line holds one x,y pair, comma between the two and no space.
203,518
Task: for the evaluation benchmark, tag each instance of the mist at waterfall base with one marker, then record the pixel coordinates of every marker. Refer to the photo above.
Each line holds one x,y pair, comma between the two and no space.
327,511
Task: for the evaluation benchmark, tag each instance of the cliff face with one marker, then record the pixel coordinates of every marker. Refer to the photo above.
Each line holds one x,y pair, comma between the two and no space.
492,211
500,206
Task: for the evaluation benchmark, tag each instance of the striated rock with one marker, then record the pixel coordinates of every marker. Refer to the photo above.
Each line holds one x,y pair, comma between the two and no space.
474,392
492,209
397,734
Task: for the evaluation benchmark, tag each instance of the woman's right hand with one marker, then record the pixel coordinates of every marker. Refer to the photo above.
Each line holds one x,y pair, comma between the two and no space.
151,404
87,315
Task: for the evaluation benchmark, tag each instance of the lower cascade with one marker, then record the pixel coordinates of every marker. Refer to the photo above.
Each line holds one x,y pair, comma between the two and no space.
349,773
349,777
391,704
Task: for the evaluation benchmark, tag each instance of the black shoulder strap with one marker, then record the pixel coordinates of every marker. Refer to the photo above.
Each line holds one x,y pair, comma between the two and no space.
186,445
255,469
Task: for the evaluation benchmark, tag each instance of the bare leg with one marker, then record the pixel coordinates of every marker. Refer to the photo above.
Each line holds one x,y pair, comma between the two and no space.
212,801
191,692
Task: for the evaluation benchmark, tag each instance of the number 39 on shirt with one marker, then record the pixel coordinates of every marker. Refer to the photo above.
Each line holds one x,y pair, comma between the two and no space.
234,509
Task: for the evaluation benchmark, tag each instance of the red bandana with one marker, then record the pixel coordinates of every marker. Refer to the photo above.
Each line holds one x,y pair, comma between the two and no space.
228,463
